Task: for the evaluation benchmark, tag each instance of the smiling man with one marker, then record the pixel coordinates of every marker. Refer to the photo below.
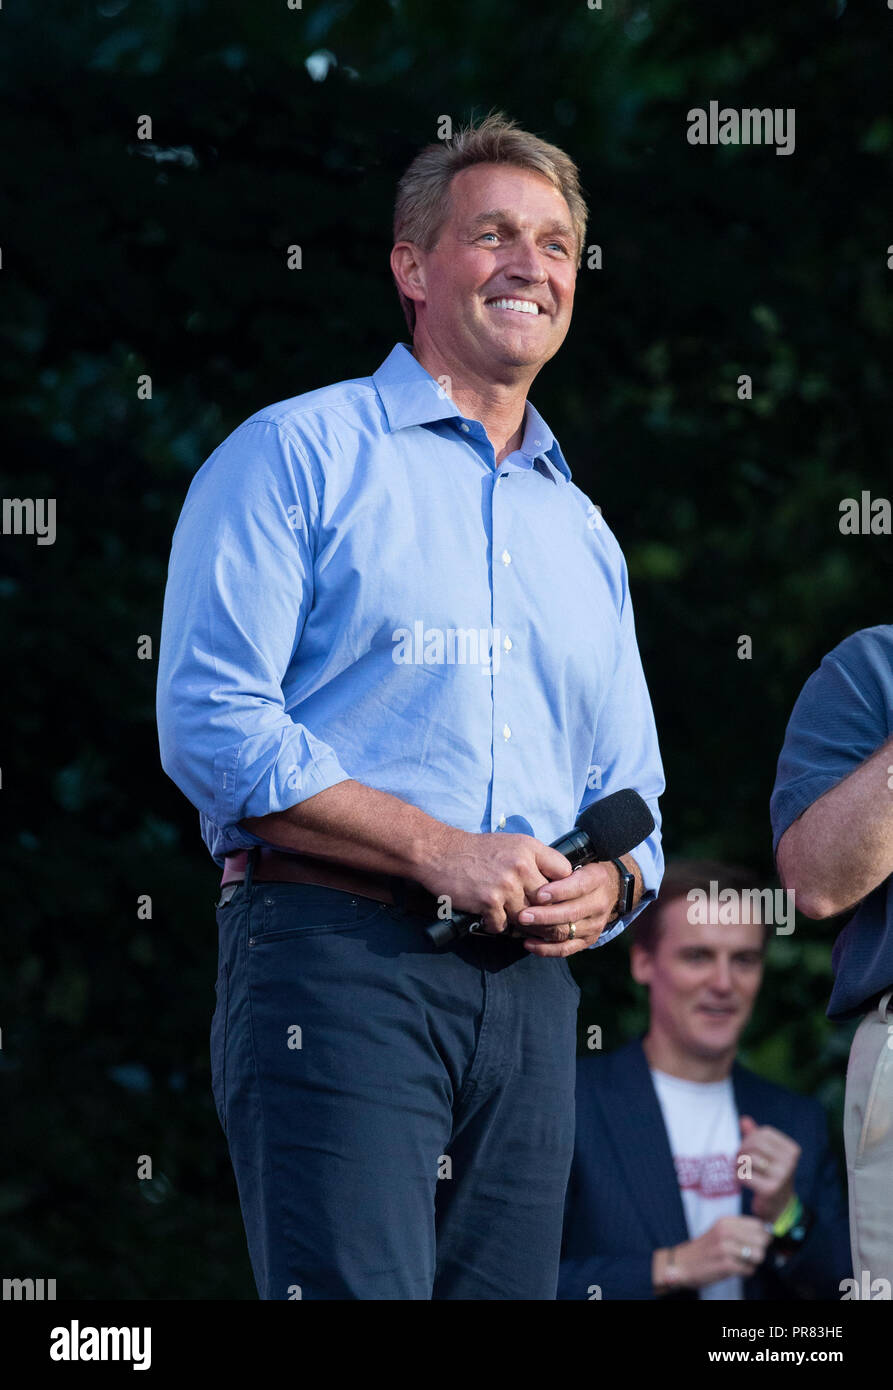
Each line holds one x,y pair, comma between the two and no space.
692,1176
399,1117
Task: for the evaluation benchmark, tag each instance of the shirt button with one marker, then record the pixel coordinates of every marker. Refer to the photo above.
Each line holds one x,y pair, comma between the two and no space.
506,731
464,428
507,644
506,558
501,822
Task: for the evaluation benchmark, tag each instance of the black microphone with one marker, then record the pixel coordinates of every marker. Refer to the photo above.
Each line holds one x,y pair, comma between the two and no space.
605,830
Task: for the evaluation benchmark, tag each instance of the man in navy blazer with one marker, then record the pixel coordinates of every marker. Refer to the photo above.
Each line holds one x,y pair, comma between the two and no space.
692,1176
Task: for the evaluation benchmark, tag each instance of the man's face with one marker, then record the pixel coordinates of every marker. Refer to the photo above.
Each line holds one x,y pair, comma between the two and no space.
703,979
508,237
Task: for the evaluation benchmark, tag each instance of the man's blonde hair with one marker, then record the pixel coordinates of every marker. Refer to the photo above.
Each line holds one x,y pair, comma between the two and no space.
423,193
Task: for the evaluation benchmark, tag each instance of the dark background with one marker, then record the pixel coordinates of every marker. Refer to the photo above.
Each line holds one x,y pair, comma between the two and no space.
122,257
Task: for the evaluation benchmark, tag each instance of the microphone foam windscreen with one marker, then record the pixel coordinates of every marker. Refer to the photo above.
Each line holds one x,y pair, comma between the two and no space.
616,823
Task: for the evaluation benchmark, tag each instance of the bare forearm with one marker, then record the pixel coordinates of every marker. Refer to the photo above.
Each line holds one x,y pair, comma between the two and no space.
364,828
356,825
842,846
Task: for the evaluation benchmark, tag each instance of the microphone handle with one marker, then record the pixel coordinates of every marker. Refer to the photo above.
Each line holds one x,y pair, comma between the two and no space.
576,848
447,930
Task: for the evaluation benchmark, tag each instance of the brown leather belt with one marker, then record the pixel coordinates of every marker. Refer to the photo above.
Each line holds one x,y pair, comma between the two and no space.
277,866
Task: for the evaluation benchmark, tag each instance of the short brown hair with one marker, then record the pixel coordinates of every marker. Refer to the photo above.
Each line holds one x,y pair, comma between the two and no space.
422,204
680,877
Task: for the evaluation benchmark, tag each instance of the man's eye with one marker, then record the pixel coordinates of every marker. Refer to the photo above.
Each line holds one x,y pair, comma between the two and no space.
483,234
560,245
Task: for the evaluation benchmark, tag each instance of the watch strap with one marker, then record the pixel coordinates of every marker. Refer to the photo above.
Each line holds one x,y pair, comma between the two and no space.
627,889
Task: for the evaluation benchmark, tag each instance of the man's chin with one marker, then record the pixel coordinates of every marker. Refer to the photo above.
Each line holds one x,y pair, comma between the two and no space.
711,1048
517,349
710,1045
516,356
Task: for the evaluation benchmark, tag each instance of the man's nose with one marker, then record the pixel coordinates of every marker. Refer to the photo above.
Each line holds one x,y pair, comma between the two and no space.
525,262
721,978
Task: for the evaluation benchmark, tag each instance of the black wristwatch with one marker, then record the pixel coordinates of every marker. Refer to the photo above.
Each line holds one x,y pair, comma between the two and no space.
627,890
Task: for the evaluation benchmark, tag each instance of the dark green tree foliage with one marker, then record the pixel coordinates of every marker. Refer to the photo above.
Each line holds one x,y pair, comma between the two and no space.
167,257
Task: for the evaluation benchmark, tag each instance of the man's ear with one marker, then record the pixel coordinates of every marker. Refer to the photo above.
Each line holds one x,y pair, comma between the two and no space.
641,965
408,270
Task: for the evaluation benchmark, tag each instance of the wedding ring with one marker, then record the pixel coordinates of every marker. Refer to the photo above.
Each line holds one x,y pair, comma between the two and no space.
746,1253
573,930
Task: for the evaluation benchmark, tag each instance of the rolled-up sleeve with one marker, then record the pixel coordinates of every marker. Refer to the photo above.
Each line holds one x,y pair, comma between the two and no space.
834,726
240,585
626,752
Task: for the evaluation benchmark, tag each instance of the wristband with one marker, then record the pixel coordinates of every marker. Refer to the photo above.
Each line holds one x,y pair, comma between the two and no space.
789,1217
795,1234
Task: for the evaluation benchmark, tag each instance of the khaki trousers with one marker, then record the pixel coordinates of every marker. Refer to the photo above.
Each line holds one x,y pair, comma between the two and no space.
868,1134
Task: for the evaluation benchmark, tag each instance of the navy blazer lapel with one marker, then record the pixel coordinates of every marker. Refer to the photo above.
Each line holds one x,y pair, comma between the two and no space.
748,1101
636,1124
751,1099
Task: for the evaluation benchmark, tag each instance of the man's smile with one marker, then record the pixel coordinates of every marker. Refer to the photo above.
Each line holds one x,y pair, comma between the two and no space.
515,306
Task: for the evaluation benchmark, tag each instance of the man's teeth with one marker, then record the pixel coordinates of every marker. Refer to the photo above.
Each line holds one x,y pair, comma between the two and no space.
523,306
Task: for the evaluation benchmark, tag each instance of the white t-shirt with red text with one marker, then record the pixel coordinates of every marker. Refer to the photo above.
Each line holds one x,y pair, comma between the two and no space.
701,1119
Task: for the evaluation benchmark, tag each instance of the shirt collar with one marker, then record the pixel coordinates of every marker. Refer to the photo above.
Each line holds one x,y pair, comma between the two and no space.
411,396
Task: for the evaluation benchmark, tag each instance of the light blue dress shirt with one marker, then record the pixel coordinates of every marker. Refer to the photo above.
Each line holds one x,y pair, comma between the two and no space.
357,590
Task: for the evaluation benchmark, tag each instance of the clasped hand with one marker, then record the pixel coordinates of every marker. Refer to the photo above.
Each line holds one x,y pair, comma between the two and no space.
587,897
517,884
